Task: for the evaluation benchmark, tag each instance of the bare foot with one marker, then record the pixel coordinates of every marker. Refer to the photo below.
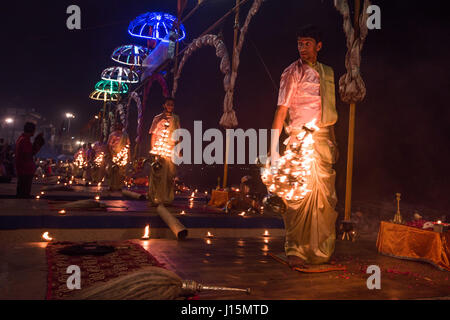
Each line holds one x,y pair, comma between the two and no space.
296,262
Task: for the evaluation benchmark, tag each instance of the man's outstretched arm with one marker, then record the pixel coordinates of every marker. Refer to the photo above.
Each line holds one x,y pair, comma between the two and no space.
278,121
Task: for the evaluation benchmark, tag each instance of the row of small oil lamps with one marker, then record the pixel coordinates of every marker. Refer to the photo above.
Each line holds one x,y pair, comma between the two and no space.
146,235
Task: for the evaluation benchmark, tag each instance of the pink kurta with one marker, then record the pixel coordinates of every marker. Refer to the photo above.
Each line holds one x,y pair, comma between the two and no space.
300,92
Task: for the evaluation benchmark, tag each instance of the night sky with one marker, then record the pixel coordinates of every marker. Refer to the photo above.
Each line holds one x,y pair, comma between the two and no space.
402,127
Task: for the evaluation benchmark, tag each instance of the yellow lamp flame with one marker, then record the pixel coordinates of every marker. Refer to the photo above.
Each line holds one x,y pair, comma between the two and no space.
121,158
46,236
146,232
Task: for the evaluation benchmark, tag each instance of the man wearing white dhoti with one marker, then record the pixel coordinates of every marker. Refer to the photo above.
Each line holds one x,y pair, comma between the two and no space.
307,94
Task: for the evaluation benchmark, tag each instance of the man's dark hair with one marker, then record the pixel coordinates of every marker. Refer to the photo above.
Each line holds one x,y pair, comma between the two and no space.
29,127
169,99
310,31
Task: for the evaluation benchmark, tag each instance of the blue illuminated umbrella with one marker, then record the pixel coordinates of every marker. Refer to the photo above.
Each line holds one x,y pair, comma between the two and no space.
130,54
155,25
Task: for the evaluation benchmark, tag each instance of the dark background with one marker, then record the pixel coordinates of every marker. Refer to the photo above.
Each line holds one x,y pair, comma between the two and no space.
402,127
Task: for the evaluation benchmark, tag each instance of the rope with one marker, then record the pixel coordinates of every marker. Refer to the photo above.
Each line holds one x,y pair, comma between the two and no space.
265,66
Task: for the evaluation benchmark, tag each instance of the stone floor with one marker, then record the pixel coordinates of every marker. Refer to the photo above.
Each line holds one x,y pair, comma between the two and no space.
244,263
228,259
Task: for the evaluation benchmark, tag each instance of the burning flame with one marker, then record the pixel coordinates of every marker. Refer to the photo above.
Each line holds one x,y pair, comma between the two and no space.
97,198
99,159
209,235
266,233
38,197
146,232
121,158
46,236
183,213
162,146
208,241
79,161
62,212
289,179
242,213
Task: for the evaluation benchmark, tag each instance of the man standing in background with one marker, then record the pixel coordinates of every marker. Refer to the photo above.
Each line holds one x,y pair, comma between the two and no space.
25,166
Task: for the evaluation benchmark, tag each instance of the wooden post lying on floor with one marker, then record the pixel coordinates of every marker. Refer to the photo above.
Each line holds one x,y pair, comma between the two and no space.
134,195
174,224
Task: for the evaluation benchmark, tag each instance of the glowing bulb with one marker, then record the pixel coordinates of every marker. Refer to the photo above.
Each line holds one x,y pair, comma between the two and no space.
97,198
182,212
209,235
62,212
266,233
38,197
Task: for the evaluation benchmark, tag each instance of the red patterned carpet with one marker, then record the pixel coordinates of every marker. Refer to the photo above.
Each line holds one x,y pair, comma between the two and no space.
126,258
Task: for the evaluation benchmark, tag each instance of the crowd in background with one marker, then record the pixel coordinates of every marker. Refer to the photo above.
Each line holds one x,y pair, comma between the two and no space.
47,167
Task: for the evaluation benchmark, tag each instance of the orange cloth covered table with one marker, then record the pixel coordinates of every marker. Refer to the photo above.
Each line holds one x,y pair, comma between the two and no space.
411,243
219,198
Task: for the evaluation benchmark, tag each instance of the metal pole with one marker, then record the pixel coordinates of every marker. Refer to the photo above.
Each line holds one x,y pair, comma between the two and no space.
351,134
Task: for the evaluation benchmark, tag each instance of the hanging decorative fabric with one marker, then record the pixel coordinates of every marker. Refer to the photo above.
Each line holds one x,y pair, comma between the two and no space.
221,52
351,85
135,97
229,119
121,113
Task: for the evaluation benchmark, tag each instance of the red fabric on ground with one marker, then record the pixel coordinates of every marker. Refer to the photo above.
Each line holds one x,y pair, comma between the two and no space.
127,258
